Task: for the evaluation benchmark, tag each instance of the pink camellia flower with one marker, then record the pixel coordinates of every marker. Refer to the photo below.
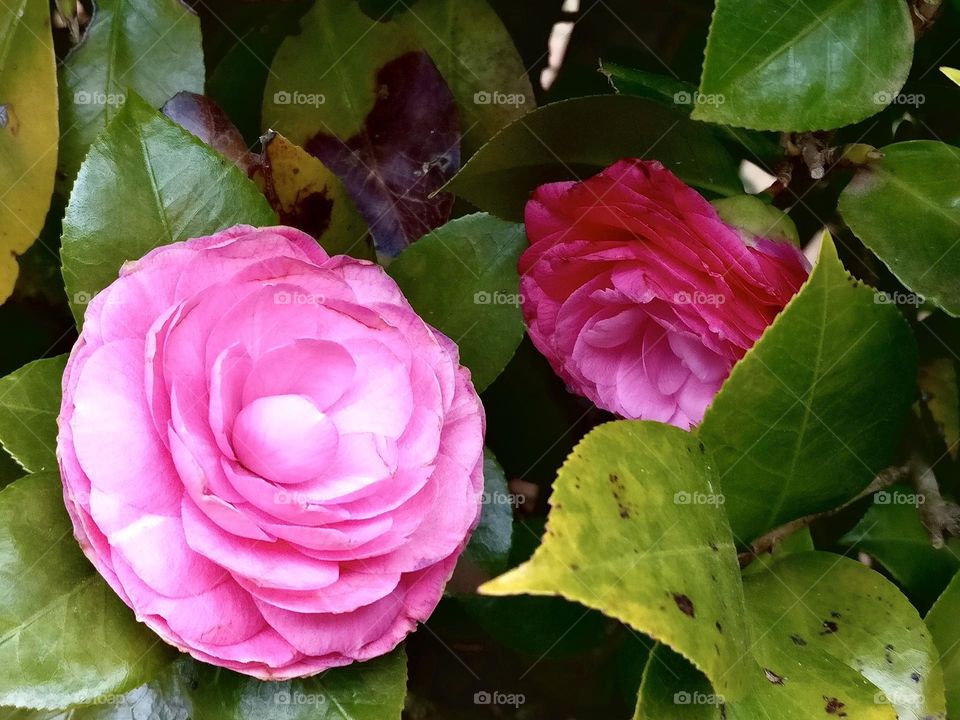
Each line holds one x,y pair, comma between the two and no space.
267,454
640,296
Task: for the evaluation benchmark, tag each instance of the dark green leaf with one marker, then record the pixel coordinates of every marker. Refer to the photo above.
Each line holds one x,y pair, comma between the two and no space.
373,690
150,47
814,410
147,182
490,544
462,279
892,533
574,139
65,636
906,208
809,65
29,405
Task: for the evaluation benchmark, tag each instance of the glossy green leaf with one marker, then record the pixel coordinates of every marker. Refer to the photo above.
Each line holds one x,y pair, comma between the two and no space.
906,208
943,626
28,130
372,690
892,533
475,300
673,689
490,543
810,65
151,47
29,405
65,636
636,531
823,621
554,143
756,218
186,689
830,636
683,97
147,182
800,426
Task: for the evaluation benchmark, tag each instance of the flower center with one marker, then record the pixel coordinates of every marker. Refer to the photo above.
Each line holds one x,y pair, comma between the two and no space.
284,438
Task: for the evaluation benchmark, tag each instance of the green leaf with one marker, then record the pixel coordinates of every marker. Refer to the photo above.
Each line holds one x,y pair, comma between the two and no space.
339,50
801,425
372,690
943,625
147,182
906,208
65,636
832,627
28,129
574,139
475,300
490,543
673,689
892,533
151,47
29,405
811,65
683,97
756,218
636,531
830,636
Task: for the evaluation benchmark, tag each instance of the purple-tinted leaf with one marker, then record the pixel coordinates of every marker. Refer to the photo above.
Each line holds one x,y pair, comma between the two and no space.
407,149
202,117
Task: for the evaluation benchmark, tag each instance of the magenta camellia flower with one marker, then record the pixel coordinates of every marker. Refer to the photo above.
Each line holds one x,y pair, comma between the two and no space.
640,296
267,454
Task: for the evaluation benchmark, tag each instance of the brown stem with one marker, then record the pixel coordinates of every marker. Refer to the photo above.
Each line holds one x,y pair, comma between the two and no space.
765,543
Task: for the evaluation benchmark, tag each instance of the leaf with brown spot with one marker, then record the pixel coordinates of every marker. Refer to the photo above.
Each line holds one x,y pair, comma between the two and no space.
307,195
653,571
